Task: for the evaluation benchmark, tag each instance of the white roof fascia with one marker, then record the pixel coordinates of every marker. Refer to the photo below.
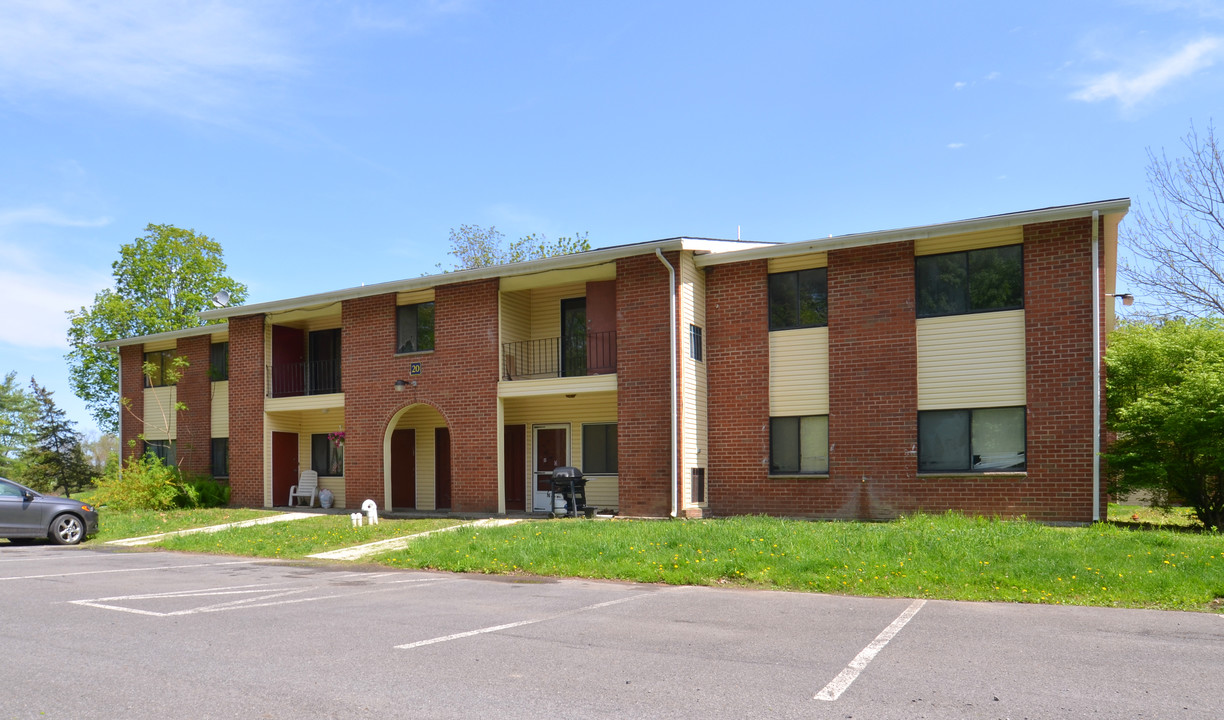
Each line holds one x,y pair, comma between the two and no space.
170,335
993,222
557,262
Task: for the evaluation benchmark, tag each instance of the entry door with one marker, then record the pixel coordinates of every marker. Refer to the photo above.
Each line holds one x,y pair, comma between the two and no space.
442,468
573,337
284,466
514,464
551,443
403,468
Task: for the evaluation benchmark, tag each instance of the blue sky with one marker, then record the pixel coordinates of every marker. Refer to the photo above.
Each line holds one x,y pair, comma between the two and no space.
328,144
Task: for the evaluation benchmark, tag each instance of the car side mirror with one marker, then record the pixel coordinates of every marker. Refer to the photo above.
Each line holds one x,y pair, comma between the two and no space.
27,496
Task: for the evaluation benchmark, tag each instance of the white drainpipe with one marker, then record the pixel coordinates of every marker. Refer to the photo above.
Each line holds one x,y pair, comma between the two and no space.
1096,371
119,357
675,472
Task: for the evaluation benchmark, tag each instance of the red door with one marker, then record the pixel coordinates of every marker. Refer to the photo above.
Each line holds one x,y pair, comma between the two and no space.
601,327
403,468
551,451
288,362
514,461
284,466
442,468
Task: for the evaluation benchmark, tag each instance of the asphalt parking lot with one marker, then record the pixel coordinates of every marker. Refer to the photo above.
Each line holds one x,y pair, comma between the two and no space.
95,633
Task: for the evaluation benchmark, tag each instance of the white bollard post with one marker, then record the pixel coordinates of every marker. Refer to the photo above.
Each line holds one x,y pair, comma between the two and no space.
356,518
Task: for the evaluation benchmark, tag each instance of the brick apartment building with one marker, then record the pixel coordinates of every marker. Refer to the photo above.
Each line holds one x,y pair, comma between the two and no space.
950,366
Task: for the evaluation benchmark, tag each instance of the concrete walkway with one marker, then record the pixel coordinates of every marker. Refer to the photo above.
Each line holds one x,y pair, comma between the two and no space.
149,539
359,551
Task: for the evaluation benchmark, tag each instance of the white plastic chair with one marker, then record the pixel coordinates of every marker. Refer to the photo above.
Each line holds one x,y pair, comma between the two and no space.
307,487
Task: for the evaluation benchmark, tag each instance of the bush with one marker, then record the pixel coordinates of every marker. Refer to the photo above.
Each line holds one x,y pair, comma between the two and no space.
145,483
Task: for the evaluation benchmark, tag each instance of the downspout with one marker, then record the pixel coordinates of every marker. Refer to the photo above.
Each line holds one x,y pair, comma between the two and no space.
675,472
1096,370
119,358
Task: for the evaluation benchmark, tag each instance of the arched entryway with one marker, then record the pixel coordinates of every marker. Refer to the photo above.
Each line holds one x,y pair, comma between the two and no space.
417,458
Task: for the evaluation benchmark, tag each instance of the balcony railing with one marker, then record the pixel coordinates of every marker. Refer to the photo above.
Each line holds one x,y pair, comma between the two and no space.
313,377
588,354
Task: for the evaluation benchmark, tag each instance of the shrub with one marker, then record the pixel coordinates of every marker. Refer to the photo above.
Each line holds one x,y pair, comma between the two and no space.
147,484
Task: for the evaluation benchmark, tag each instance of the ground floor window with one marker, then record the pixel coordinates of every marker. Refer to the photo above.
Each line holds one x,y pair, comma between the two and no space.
799,445
164,450
698,486
327,455
599,449
220,457
975,440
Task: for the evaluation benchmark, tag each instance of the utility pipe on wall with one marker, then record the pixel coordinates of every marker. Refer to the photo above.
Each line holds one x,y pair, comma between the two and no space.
1096,370
675,472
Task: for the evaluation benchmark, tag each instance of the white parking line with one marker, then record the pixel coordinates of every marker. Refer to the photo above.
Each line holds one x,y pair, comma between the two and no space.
520,623
839,684
128,570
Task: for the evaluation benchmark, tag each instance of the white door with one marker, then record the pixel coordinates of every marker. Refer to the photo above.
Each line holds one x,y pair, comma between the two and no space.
550,449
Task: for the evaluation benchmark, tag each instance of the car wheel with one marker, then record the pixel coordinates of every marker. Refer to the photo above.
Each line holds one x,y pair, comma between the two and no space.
67,529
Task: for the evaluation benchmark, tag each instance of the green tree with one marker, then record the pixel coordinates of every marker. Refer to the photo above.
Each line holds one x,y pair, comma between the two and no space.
1165,393
473,246
162,280
54,458
17,413
1177,240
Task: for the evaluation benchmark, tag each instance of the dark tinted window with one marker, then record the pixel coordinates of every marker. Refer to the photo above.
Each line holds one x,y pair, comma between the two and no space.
970,281
798,299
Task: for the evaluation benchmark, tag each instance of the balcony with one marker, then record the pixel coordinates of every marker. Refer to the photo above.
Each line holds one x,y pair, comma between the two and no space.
576,356
313,377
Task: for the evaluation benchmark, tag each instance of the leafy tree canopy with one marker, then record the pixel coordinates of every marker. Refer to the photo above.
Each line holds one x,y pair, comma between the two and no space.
17,414
54,459
1165,393
162,280
473,246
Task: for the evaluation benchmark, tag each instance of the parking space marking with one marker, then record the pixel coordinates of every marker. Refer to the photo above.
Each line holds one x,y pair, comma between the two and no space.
254,596
839,684
129,570
520,623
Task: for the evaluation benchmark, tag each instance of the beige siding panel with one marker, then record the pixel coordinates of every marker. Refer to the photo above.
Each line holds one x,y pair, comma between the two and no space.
546,308
160,419
160,345
799,372
971,361
515,320
798,262
968,241
316,422
414,297
424,419
586,408
220,409
693,429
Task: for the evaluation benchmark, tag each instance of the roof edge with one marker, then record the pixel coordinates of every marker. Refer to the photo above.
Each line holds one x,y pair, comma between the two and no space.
168,335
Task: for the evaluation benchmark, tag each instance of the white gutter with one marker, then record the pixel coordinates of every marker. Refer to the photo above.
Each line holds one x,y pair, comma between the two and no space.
1096,370
119,358
675,472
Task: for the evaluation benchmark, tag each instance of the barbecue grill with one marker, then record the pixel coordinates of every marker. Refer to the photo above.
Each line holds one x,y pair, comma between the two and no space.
568,482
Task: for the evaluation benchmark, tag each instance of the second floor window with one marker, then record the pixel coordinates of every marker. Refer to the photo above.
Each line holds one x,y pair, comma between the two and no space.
218,361
799,299
414,328
159,368
968,282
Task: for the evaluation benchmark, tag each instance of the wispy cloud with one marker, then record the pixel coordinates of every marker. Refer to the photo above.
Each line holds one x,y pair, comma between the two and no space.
43,215
36,292
1140,84
956,145
177,57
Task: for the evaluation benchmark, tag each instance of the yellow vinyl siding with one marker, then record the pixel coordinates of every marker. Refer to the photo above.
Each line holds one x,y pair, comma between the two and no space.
798,262
546,308
971,361
220,409
160,345
693,429
424,420
799,372
515,319
160,418
968,241
585,408
414,297
304,424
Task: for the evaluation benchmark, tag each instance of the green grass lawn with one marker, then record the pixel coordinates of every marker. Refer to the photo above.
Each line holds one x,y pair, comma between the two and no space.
115,525
1152,517
299,538
945,556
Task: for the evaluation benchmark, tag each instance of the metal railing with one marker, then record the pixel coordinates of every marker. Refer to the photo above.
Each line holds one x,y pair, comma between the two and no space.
587,354
313,377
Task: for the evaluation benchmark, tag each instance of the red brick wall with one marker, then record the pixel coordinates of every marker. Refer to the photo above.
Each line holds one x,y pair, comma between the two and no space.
643,400
246,407
131,368
459,379
194,425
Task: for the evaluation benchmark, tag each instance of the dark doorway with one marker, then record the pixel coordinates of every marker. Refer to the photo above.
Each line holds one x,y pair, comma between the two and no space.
403,469
442,468
324,366
284,465
573,337
514,462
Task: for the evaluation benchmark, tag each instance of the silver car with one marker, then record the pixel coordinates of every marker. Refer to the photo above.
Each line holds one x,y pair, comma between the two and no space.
26,514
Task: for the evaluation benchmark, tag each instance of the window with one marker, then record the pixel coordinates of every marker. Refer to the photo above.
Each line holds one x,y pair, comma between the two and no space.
164,450
159,365
982,440
695,350
799,445
698,485
972,281
326,455
415,324
218,361
798,299
220,457
599,449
